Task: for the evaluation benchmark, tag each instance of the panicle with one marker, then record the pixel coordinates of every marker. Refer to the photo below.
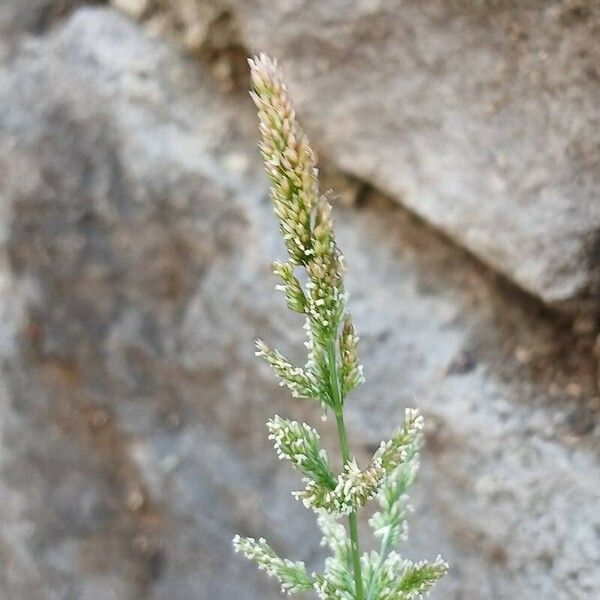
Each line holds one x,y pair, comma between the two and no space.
332,371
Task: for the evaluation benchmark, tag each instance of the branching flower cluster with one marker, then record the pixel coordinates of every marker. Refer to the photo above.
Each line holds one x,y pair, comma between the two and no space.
331,372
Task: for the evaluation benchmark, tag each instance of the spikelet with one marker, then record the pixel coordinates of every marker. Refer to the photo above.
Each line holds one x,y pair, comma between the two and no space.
352,371
294,295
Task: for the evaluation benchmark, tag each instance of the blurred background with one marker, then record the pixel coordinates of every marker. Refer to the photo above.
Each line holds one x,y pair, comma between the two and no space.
136,237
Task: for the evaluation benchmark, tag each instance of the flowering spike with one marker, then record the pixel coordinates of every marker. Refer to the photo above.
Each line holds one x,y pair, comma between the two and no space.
415,580
292,575
334,536
334,584
289,160
295,379
389,523
299,443
392,453
326,297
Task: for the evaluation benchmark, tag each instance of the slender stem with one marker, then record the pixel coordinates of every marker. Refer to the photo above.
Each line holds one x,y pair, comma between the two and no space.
352,516
339,418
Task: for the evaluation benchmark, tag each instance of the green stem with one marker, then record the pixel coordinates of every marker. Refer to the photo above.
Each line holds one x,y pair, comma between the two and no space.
339,418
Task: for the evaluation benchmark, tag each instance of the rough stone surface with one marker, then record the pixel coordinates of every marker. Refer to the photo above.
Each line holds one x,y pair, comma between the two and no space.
137,237
479,116
19,17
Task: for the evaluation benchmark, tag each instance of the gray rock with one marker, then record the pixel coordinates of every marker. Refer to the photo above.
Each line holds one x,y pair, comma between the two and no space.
480,117
137,237
29,17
